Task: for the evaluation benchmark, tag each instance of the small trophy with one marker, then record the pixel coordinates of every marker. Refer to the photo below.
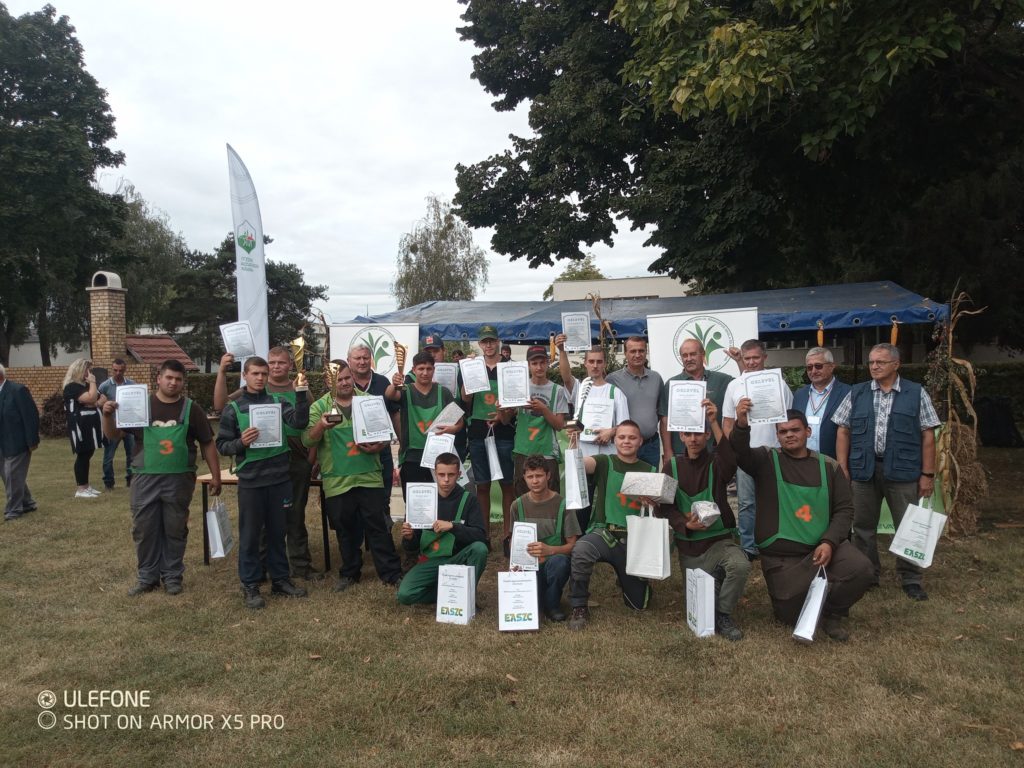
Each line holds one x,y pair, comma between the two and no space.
400,351
298,346
333,416
575,424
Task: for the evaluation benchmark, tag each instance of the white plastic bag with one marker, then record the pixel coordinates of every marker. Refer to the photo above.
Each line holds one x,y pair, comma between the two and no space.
492,456
919,533
700,602
647,546
577,495
218,527
810,614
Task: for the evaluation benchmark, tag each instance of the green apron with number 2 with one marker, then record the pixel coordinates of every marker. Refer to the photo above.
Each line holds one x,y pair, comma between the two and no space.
803,510
346,458
165,449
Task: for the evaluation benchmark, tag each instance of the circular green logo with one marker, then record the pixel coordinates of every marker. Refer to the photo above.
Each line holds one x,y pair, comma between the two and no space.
714,335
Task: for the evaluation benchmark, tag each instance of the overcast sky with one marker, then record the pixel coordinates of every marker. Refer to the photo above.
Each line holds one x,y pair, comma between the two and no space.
347,115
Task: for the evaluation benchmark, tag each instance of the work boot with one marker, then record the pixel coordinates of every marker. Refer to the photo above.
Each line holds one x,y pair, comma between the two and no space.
832,625
726,627
173,588
915,592
580,617
253,598
286,588
555,614
344,583
141,588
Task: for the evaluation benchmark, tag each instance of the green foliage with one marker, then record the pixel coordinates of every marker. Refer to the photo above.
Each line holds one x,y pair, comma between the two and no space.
55,226
819,142
438,260
579,270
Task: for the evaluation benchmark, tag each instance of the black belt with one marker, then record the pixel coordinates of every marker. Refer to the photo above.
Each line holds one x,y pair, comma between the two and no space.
651,439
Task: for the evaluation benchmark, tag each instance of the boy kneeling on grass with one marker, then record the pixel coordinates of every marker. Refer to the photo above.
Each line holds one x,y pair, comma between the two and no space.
457,537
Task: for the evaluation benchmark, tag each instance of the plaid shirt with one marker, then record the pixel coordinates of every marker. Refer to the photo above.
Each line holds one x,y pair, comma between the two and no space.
883,407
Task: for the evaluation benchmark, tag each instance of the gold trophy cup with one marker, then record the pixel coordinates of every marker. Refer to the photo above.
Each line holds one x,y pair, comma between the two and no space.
298,346
400,352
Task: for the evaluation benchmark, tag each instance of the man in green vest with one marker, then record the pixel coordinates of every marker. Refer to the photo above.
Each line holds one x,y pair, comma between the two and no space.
301,459
804,514
353,487
457,537
557,533
264,485
164,477
605,539
704,476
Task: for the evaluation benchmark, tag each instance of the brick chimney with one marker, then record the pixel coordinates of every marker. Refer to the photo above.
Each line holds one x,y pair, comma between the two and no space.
107,318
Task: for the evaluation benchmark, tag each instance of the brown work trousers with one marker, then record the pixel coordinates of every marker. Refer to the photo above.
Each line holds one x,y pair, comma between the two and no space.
849,574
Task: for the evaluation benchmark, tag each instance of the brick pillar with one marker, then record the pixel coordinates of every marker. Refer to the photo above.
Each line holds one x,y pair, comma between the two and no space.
107,320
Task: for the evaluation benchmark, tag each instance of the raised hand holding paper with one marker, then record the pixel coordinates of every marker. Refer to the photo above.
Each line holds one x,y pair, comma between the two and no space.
474,375
576,327
513,384
686,411
238,339
132,406
766,390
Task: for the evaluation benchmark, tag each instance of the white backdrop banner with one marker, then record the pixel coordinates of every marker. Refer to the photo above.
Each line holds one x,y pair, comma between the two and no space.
381,341
250,268
716,330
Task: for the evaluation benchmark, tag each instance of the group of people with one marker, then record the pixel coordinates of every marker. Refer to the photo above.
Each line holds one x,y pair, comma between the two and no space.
809,489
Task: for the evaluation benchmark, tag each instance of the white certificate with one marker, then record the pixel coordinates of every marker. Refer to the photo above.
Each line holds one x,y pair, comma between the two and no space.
434,447
447,375
523,534
598,413
238,339
474,375
767,393
267,419
421,505
448,417
513,384
517,601
132,406
576,327
371,422
685,411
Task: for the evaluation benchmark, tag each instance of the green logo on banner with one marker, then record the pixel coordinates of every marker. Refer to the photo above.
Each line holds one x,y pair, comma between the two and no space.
245,237
713,334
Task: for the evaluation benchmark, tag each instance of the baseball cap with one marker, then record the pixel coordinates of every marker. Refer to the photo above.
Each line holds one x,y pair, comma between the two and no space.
432,342
487,332
537,351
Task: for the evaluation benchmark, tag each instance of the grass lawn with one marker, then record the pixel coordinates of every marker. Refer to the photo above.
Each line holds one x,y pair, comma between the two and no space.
358,680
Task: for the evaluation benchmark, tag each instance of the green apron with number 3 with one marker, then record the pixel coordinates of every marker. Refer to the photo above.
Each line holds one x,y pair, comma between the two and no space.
684,502
803,510
346,458
555,539
534,436
165,449
254,454
442,544
614,506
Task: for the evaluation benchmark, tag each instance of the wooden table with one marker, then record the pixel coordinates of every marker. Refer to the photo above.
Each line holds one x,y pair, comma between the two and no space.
226,479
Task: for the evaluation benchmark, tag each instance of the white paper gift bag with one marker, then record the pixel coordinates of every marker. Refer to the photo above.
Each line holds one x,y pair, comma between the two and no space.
218,527
456,594
700,602
810,614
492,456
647,546
577,495
919,533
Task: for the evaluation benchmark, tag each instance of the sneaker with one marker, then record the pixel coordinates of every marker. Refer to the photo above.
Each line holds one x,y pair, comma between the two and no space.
915,592
832,626
287,589
555,614
344,583
726,627
30,508
253,598
579,619
14,516
141,588
84,494
93,491
174,588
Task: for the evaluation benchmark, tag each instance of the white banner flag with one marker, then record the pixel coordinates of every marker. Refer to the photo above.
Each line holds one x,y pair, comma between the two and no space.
250,268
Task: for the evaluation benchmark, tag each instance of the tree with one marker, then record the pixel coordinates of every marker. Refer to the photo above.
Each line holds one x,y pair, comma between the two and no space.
438,260
55,226
206,298
764,144
581,270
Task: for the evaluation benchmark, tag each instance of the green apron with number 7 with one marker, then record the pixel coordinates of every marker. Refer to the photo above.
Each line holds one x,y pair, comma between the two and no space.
165,448
803,510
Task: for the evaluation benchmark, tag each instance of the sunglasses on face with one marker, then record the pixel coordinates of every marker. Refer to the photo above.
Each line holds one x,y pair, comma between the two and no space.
815,366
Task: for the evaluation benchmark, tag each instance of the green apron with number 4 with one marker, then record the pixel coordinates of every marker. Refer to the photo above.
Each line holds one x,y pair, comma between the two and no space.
534,436
442,544
684,502
254,454
165,449
614,506
346,458
555,539
803,510
418,420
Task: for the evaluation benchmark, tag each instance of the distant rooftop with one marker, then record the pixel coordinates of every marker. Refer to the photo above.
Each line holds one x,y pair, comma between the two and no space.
154,349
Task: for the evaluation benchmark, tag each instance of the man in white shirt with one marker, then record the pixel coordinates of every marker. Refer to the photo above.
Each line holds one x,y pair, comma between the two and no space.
753,356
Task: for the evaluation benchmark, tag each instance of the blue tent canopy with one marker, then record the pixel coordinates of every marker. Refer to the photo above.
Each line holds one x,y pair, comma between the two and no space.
855,305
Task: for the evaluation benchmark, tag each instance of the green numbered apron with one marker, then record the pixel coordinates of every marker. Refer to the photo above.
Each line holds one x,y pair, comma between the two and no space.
254,454
485,404
803,510
615,506
555,539
346,458
418,421
534,436
684,502
287,397
165,449
442,544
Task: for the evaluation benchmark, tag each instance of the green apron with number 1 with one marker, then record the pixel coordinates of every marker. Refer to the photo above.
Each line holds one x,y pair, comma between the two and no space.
442,544
165,449
254,454
803,510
